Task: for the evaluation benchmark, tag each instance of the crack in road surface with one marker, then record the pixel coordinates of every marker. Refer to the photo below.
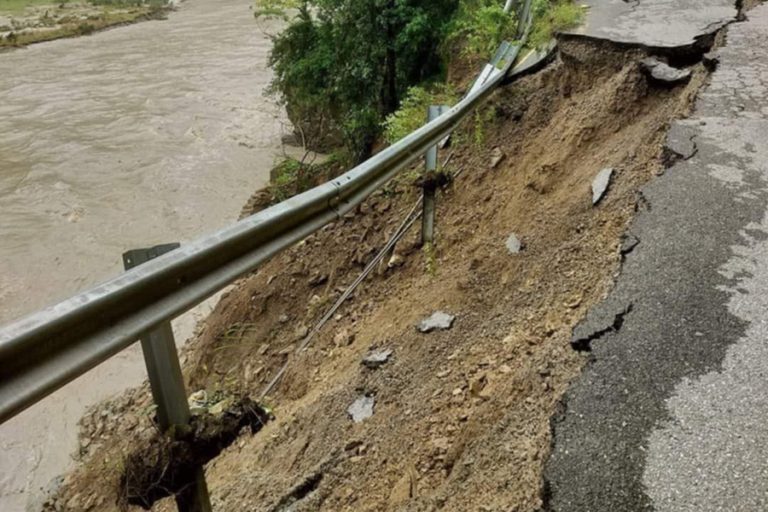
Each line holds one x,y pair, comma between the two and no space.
584,344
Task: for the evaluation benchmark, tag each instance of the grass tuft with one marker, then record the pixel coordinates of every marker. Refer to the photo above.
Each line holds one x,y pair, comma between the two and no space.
551,17
480,26
412,113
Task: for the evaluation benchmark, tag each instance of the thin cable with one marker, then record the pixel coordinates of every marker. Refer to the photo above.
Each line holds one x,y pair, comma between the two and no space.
407,223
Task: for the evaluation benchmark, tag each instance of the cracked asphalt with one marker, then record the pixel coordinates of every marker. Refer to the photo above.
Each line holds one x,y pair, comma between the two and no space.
671,413
655,23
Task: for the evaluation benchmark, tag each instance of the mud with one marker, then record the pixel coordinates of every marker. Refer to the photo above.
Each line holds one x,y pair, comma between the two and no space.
166,464
462,416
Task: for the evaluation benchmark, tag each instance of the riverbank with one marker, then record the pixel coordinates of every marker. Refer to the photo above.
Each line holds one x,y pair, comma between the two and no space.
25,22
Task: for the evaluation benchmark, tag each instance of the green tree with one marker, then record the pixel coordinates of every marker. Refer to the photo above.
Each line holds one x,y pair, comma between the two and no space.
341,66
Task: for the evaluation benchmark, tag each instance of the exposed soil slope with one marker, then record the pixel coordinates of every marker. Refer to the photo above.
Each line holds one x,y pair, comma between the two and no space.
461,420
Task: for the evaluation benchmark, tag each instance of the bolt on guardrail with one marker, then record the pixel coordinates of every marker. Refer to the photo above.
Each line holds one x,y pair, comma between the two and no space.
167,383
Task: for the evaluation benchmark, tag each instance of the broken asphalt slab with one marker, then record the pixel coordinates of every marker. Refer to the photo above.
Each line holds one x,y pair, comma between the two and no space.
655,24
681,140
596,326
662,72
669,414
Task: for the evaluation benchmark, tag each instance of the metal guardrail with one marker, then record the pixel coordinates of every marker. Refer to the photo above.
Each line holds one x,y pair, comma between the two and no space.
45,350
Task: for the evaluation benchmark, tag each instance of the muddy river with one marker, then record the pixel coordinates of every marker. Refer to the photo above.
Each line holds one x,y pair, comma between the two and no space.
144,134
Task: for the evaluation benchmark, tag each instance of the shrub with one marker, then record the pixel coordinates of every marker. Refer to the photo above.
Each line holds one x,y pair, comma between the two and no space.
348,62
552,16
480,26
275,8
129,3
412,113
348,69
152,4
290,176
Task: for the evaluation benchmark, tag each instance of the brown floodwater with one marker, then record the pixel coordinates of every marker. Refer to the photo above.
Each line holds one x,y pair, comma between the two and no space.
144,134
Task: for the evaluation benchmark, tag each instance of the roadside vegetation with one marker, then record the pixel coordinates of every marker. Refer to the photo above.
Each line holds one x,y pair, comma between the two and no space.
413,107
356,74
24,22
552,17
292,176
341,66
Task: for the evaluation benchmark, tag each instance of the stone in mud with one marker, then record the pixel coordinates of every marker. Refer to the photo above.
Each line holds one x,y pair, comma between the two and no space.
130,421
439,320
514,245
574,301
497,155
404,489
318,279
663,72
198,402
600,184
361,409
477,385
301,332
377,358
628,243
395,261
343,338
219,408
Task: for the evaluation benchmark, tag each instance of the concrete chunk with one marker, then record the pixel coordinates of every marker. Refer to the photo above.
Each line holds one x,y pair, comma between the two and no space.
439,320
361,409
377,358
514,245
600,184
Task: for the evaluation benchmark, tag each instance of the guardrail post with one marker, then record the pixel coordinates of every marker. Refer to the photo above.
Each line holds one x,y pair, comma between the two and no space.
524,17
167,383
429,183
428,213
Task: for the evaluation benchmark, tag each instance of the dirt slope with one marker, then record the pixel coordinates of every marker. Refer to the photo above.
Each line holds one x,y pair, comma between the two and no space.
461,420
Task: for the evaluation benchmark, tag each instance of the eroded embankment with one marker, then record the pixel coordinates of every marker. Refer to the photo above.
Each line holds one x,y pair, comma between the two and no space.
47,22
461,417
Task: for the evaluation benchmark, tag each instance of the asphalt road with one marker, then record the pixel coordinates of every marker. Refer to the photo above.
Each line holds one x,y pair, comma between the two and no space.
671,414
655,23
